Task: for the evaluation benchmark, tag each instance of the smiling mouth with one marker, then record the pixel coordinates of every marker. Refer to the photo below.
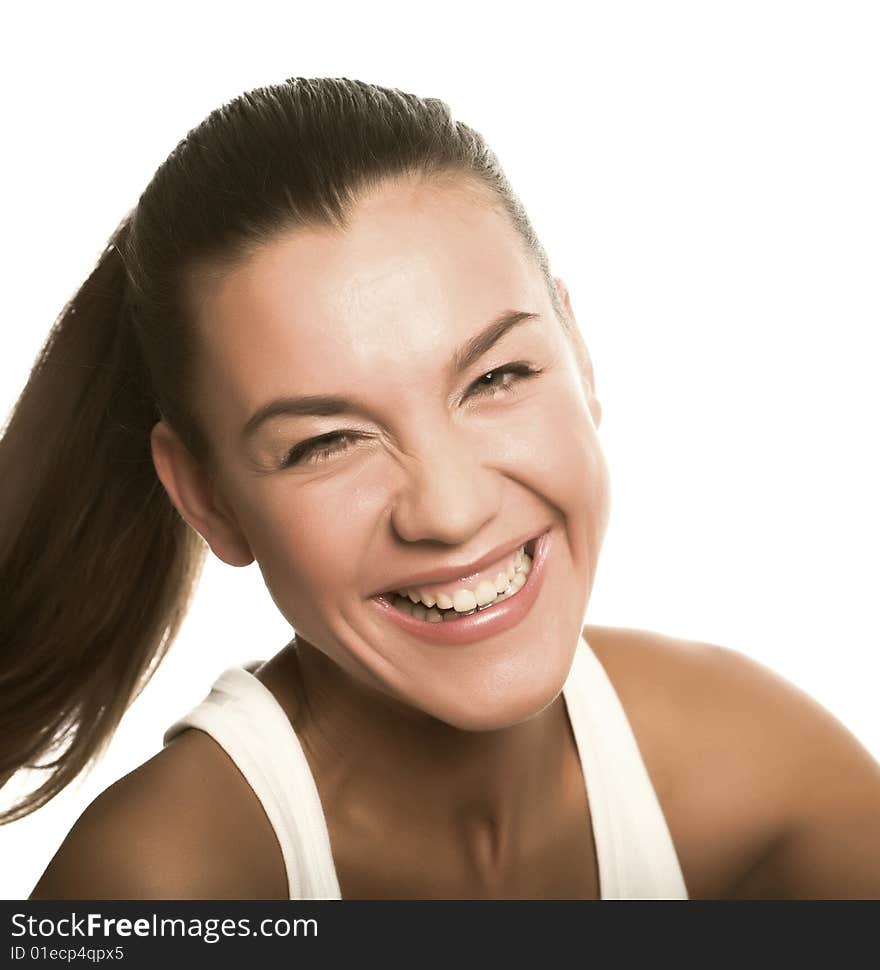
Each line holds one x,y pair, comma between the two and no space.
467,602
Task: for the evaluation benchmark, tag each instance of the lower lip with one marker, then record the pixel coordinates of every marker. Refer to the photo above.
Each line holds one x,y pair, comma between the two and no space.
484,623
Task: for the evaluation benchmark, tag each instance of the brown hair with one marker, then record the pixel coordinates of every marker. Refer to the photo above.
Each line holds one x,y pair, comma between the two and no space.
97,568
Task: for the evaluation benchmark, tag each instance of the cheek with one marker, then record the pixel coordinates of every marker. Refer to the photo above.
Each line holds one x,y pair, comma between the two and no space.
553,448
305,550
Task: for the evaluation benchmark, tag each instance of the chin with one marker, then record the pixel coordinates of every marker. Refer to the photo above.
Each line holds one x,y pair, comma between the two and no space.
496,699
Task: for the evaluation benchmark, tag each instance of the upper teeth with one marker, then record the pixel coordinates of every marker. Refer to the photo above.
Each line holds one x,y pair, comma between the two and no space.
463,599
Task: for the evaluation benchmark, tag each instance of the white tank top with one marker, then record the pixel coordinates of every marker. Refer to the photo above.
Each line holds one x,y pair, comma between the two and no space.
635,852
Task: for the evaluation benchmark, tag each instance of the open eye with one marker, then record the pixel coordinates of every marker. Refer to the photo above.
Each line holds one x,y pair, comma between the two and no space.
496,378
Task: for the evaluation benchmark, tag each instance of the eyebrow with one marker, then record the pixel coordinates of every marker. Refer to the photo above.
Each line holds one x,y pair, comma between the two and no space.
324,405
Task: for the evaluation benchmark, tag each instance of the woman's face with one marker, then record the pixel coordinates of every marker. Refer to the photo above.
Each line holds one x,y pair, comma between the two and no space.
432,466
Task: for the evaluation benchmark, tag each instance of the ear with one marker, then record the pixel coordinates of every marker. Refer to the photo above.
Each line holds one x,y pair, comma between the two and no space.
585,364
197,498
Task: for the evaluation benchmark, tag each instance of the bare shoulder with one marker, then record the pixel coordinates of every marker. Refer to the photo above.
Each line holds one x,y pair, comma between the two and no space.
184,825
765,792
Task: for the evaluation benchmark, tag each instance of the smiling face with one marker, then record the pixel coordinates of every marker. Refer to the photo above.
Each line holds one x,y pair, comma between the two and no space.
433,466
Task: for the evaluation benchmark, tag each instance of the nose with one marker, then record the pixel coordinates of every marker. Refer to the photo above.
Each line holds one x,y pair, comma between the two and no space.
448,494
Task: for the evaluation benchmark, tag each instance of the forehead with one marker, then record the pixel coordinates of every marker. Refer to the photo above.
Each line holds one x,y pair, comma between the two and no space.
420,268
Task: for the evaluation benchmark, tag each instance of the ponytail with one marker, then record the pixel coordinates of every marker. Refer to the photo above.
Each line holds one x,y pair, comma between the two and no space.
97,568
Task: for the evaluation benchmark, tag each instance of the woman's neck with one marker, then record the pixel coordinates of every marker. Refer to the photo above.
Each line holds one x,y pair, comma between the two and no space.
494,793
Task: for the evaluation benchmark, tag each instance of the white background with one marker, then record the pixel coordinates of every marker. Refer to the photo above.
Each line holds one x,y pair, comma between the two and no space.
704,176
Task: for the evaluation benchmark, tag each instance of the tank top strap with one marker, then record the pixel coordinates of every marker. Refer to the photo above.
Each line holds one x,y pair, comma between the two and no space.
634,848
242,715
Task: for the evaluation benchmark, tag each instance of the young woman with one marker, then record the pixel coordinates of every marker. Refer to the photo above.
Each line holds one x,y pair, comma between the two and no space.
327,339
